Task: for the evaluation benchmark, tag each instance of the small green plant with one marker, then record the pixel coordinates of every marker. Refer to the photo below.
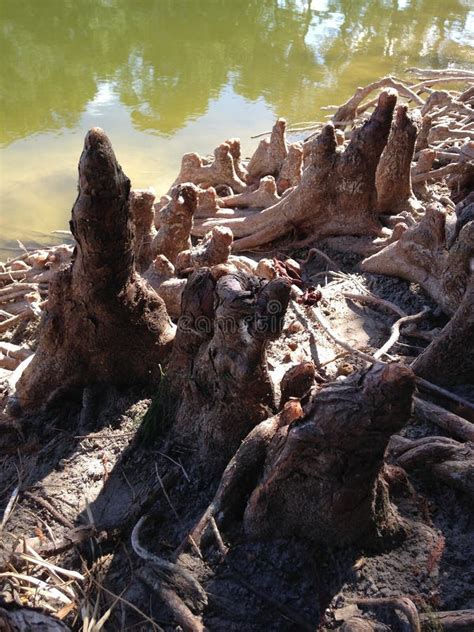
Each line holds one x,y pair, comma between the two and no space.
159,417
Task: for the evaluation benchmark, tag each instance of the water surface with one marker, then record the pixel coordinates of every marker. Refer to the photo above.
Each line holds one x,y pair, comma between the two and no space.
163,77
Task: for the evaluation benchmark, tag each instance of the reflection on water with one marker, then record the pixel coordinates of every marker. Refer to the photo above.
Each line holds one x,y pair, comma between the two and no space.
169,76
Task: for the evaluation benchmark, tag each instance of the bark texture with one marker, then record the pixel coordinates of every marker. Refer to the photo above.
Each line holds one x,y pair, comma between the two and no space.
176,222
102,322
291,169
143,214
218,364
161,275
449,358
393,176
322,475
26,620
270,154
213,249
263,197
318,475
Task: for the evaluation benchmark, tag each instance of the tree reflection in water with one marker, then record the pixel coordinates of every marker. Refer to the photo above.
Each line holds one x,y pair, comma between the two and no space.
167,59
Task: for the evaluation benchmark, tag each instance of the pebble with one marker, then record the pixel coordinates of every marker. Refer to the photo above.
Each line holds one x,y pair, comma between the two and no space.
294,327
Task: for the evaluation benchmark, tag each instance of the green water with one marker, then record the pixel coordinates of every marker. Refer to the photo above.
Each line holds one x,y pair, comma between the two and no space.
163,77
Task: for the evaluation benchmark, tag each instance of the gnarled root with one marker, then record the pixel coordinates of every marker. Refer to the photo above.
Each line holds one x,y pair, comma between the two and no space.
403,604
143,215
208,203
270,154
421,255
220,171
449,358
161,275
295,459
213,249
176,222
349,110
393,177
428,412
102,322
291,169
333,437
449,460
263,197
218,362
235,152
336,195
423,165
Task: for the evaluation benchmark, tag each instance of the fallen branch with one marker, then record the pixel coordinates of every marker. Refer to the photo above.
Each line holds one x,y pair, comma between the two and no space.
11,322
348,110
421,382
169,569
181,613
440,72
374,300
404,604
433,82
456,620
431,413
49,508
395,333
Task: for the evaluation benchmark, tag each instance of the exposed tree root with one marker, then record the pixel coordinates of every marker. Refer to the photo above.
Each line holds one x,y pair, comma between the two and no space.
336,195
393,176
102,322
220,171
218,361
263,197
321,449
421,255
270,154
213,249
395,333
404,604
176,221
161,275
290,452
235,152
207,204
291,169
460,428
143,215
457,620
449,460
449,359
